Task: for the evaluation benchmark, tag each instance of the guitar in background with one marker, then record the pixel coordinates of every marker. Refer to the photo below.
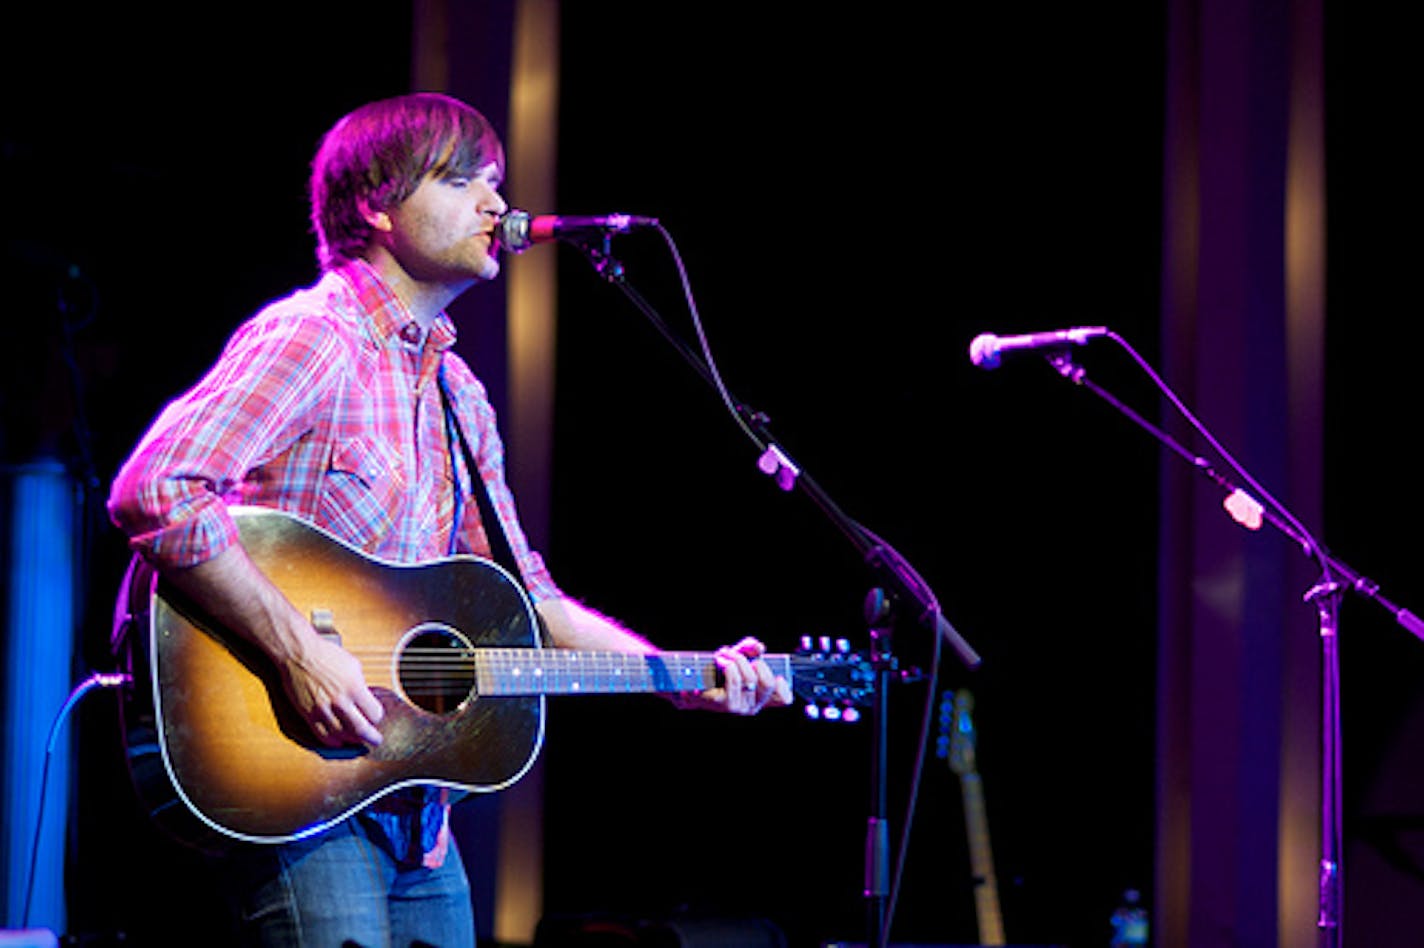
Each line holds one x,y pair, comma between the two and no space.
957,744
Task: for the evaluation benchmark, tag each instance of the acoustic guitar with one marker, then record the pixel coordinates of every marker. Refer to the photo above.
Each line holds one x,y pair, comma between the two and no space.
452,648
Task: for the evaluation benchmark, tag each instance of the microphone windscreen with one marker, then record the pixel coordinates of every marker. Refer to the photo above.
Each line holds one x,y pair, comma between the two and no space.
984,351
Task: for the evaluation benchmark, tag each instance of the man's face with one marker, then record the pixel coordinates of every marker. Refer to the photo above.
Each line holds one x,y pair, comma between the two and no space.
444,232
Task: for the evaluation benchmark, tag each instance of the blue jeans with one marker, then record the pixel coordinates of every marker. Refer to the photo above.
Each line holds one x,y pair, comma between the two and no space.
343,889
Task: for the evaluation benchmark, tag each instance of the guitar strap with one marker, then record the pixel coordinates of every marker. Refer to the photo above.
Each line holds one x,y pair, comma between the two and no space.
500,550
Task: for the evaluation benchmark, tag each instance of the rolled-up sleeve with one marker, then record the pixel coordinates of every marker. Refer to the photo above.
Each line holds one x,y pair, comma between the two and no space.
170,497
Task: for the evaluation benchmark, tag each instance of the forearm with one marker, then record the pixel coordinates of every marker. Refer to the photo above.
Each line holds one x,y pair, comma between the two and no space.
233,591
325,683
747,685
573,625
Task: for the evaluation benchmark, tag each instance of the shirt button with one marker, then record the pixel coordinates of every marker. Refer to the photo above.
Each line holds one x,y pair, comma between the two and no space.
411,333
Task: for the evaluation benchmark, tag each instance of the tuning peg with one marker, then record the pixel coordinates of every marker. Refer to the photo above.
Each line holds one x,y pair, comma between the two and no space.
847,714
825,644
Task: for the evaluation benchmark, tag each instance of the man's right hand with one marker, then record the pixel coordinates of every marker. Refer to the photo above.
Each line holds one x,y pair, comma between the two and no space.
323,680
328,689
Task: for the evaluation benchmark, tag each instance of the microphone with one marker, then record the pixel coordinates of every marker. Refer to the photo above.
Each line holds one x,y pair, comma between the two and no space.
518,230
986,349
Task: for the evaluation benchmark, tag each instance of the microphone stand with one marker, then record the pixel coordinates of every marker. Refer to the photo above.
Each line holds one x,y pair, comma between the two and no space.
1336,577
897,583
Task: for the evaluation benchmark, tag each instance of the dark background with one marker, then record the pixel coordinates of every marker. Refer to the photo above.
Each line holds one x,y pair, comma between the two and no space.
855,198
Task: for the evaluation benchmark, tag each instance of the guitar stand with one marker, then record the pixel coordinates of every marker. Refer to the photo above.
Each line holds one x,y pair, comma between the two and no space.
899,585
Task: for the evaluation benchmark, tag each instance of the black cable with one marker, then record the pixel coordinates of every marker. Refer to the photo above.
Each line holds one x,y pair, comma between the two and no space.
96,680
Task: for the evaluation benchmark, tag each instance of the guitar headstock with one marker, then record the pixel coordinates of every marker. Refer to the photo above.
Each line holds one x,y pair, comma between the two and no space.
833,681
957,738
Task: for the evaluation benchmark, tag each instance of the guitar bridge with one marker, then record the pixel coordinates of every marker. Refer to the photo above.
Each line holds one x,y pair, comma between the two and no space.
325,624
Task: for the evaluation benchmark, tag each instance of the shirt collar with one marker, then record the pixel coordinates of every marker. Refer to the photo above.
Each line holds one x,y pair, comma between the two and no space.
390,316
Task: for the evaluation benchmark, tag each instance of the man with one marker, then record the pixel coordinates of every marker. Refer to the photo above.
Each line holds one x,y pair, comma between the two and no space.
331,405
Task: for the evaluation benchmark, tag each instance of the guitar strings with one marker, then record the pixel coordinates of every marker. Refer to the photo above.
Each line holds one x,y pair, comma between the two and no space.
427,670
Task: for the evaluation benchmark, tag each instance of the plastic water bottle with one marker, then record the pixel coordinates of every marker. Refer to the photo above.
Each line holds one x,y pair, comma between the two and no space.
1129,922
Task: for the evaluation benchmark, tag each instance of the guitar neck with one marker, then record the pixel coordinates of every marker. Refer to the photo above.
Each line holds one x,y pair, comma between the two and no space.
986,889
538,671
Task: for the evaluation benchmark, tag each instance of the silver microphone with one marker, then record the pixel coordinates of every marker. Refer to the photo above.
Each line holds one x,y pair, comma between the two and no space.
518,230
986,349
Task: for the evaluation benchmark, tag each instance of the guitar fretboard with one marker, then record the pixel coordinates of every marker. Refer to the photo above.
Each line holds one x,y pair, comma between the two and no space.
536,671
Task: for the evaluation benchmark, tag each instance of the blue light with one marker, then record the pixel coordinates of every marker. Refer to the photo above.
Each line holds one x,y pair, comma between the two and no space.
39,652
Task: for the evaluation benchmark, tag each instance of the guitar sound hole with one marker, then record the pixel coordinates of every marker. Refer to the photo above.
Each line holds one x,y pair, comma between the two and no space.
436,670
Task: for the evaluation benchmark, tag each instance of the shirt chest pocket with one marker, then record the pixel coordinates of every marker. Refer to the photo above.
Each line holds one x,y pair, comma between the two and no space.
362,491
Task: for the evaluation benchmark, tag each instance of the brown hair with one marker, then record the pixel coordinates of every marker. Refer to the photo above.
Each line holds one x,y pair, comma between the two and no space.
377,156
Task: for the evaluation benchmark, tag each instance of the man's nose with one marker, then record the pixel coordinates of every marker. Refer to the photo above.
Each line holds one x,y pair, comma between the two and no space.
494,204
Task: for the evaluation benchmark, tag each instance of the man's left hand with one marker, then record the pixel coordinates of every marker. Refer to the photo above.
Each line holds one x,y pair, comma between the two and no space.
748,684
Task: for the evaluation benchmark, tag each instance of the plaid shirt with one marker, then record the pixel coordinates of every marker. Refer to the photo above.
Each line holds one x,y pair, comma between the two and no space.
327,405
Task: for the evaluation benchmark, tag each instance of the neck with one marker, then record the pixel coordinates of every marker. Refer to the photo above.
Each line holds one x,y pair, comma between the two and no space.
426,299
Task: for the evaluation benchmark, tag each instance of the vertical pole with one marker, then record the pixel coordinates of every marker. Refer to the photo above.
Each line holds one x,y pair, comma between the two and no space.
1332,877
503,58
1243,310
41,502
878,613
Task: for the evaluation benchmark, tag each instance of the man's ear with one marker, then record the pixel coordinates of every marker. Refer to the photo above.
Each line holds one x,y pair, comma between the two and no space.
379,220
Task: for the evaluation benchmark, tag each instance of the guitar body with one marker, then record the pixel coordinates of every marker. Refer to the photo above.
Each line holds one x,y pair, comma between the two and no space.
216,733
